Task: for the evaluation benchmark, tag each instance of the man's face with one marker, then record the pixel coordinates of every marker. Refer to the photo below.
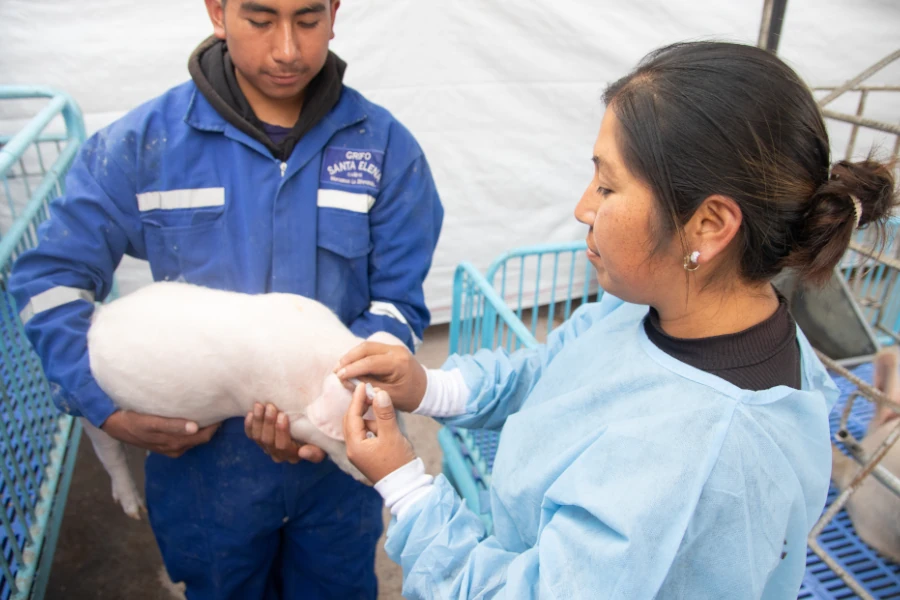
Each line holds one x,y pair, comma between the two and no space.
277,46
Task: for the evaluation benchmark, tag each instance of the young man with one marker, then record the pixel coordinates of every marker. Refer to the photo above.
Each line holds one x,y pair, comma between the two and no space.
262,174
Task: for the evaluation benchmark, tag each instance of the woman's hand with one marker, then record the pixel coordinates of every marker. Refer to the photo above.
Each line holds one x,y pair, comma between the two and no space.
172,437
376,448
391,368
270,428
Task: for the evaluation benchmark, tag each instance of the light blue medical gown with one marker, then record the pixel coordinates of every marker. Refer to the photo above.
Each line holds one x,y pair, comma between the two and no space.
624,473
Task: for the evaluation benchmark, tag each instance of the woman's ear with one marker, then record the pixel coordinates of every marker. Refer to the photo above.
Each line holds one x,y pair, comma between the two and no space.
712,227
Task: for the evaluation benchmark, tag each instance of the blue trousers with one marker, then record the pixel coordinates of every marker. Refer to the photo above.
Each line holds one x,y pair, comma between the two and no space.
233,524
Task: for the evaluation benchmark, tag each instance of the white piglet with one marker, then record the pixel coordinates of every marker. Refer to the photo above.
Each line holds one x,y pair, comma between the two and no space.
185,351
873,508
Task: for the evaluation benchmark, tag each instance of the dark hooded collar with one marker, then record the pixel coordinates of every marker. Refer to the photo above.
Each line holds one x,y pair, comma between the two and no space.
212,70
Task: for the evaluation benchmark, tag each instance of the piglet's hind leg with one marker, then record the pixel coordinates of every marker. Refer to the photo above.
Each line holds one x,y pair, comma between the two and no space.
111,453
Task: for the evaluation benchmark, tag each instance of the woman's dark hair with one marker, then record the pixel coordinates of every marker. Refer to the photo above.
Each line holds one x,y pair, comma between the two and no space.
704,118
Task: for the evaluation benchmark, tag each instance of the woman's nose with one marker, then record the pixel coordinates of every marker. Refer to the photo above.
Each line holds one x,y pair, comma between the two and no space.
585,212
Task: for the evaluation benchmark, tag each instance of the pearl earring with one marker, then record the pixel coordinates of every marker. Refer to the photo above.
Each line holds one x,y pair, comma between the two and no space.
690,261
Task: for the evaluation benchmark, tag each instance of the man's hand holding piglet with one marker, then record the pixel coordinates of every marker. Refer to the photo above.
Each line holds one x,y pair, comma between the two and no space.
270,428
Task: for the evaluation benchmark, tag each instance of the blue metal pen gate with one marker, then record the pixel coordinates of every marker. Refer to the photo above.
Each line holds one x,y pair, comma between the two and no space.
38,444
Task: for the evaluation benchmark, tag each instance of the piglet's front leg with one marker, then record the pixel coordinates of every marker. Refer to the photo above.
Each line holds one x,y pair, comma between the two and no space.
303,431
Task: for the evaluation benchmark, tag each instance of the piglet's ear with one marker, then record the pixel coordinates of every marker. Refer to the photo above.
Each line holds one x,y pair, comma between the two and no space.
327,411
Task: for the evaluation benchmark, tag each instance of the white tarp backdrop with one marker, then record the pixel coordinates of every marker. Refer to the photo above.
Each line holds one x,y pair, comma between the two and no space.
503,95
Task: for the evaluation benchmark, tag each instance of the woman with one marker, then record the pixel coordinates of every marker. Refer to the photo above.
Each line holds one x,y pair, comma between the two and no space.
672,439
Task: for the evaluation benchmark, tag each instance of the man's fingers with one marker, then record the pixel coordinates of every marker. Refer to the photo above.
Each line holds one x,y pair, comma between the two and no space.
311,453
258,413
205,434
268,430
175,447
283,439
172,426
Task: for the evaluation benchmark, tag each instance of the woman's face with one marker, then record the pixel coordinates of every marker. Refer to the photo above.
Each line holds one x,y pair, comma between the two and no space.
624,231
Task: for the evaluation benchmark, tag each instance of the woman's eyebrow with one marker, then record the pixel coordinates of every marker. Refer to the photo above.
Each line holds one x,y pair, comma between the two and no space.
605,167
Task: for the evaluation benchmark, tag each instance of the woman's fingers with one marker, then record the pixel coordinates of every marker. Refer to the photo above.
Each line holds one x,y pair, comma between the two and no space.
354,426
373,366
361,351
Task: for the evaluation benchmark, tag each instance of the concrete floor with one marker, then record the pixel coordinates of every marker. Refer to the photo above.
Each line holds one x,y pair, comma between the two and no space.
102,554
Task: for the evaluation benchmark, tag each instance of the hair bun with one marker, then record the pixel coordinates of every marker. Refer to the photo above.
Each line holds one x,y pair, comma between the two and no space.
870,182
856,194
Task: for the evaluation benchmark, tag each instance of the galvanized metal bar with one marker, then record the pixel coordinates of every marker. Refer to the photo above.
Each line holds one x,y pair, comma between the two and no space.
867,282
860,88
888,479
865,122
860,108
766,23
867,390
770,27
851,83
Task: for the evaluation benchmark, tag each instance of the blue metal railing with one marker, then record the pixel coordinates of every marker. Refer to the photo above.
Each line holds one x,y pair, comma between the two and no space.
567,261
37,444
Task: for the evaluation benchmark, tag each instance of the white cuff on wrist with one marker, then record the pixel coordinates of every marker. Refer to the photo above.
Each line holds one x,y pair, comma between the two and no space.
445,395
402,488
